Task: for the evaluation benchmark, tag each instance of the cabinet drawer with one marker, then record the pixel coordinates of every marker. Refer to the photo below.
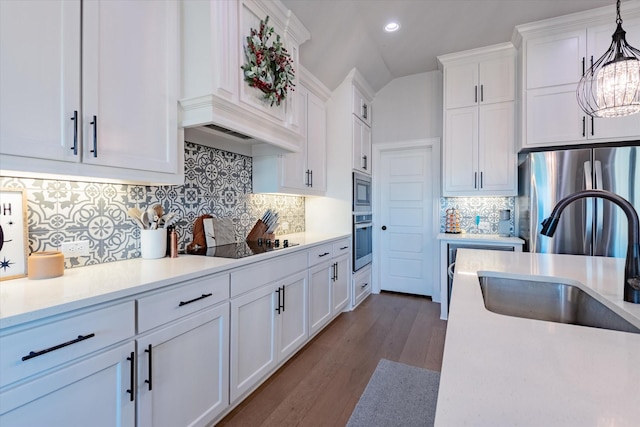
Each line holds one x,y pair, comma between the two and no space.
249,278
320,254
166,306
44,346
361,285
340,247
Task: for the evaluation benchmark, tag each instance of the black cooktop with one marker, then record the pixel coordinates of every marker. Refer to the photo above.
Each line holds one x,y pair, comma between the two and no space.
241,249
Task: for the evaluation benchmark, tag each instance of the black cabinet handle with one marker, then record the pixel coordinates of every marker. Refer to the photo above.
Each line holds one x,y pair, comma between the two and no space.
75,132
278,307
475,180
584,121
335,268
481,179
475,91
132,376
33,354
344,247
307,179
364,111
311,178
481,93
365,162
95,136
364,285
583,64
592,129
194,300
283,295
149,350
324,254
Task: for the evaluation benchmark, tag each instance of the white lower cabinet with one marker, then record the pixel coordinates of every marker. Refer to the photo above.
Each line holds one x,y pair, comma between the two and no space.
340,284
361,284
320,302
268,325
96,391
183,370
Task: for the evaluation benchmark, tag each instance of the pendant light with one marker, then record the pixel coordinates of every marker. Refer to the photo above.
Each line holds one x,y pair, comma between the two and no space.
611,86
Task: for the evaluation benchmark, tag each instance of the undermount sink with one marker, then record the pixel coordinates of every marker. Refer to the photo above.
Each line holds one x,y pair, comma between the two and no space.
553,302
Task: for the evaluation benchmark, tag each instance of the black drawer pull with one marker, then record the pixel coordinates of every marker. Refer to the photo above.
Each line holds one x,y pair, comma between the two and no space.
33,354
194,300
344,247
364,285
149,350
324,254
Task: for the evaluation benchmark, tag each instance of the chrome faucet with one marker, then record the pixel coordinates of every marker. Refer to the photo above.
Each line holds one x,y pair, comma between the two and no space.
632,263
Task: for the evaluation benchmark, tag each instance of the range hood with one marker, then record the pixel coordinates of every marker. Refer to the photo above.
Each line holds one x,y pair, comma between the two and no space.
215,98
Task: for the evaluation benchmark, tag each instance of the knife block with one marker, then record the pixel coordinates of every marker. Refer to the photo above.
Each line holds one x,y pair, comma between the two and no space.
259,231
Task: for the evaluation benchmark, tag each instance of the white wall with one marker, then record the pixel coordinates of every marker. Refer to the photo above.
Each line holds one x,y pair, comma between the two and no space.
409,108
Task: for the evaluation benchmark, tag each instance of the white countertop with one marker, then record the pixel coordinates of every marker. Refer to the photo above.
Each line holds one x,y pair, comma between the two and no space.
480,238
505,371
23,300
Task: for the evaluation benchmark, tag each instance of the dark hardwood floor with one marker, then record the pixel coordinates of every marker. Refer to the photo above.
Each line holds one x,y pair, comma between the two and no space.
321,384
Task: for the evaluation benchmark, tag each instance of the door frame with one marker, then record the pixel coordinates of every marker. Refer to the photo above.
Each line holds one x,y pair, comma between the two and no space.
377,152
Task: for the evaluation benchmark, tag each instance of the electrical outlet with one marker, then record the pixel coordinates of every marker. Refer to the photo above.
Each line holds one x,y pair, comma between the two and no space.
75,249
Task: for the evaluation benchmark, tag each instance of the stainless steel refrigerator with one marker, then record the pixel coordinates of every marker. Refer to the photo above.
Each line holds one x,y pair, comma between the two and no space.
588,226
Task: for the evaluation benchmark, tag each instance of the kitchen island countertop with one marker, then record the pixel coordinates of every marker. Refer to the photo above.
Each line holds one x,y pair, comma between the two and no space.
500,370
23,300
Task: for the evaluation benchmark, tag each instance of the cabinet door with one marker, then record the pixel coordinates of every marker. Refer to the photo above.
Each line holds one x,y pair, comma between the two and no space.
461,86
294,165
253,338
130,84
554,117
340,284
361,146
555,60
496,154
39,78
316,133
497,80
461,151
320,302
293,316
183,371
93,392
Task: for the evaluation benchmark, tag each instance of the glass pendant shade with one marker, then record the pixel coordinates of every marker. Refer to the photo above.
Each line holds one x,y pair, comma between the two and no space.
611,86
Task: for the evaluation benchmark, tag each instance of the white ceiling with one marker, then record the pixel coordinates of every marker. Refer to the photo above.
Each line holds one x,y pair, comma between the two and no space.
348,33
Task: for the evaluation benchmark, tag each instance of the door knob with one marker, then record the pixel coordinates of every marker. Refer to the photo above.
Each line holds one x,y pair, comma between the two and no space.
384,227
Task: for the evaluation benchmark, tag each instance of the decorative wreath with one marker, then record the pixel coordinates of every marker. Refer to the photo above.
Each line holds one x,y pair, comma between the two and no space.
268,68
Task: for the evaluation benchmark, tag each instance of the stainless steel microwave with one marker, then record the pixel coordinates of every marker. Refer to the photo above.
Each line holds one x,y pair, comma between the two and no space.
361,192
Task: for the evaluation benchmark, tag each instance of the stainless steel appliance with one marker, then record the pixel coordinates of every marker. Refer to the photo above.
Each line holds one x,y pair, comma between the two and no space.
589,226
362,240
361,192
452,249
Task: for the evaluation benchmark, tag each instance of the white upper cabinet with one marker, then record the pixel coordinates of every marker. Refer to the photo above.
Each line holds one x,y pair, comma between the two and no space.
304,172
554,55
96,88
479,122
485,82
214,91
361,106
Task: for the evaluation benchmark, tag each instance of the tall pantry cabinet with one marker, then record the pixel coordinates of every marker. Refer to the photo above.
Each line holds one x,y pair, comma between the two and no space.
479,122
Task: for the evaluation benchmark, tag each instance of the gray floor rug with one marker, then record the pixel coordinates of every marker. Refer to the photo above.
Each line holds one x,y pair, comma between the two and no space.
397,395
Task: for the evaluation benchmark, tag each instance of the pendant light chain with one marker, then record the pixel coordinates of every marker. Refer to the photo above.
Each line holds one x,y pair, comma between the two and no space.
611,86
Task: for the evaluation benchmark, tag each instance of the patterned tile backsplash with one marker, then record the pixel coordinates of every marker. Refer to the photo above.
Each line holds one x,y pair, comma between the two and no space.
216,182
488,208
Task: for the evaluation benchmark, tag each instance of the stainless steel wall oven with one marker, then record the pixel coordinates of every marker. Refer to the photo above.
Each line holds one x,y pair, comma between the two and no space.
362,240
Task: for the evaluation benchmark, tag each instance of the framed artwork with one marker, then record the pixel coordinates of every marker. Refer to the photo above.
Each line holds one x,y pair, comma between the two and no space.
14,243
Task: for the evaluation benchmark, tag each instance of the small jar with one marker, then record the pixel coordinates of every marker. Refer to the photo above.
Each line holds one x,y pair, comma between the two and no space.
173,243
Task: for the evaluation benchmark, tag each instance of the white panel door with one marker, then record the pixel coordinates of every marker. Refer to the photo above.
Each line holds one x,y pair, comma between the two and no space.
496,142
407,209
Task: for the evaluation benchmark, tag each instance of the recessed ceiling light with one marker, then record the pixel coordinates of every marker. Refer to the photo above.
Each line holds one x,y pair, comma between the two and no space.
391,27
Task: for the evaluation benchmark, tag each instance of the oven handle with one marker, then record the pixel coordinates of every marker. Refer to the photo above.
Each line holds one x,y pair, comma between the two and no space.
359,225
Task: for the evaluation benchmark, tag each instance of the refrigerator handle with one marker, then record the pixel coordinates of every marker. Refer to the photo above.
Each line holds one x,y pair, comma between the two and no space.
588,213
599,206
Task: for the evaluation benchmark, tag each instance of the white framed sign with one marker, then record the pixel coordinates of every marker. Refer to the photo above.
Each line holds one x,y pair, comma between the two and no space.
14,243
